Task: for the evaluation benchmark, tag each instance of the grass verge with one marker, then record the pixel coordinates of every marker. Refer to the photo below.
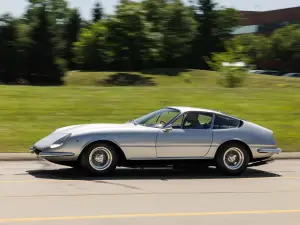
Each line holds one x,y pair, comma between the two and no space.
29,113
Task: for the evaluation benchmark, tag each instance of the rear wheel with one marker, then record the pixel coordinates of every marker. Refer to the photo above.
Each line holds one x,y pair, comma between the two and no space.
232,159
100,159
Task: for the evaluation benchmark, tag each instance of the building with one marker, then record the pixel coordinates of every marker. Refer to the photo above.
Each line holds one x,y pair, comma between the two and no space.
265,22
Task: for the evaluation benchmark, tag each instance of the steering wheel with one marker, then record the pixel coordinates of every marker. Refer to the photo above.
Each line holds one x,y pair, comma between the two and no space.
163,122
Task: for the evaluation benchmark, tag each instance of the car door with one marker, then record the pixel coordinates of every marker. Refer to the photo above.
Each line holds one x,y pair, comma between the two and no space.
184,141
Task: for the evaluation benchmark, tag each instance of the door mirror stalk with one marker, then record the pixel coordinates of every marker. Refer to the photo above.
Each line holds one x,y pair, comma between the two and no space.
167,129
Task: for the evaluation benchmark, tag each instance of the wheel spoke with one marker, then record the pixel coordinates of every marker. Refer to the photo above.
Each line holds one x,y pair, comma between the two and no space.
100,158
233,158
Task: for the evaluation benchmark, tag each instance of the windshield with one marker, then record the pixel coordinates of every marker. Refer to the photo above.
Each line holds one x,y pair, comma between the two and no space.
158,118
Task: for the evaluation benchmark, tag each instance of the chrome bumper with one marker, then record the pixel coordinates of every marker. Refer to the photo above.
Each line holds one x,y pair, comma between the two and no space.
269,150
41,154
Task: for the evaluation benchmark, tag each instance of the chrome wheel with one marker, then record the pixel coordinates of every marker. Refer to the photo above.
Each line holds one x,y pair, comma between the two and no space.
100,158
233,158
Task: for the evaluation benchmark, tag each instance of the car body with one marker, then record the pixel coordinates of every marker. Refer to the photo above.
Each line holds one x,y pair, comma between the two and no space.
270,72
168,136
292,75
255,71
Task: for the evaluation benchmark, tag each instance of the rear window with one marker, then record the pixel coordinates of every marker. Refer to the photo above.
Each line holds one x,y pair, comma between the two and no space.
224,122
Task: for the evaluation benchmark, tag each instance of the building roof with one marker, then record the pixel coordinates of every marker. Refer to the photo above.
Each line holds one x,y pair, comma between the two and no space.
269,17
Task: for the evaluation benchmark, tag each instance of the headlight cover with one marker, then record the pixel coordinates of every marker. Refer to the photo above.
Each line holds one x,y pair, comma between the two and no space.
60,141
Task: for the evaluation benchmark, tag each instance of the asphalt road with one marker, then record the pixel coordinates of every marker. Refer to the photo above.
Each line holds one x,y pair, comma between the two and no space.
43,193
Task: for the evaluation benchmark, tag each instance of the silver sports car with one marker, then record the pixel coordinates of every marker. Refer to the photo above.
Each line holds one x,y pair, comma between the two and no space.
171,136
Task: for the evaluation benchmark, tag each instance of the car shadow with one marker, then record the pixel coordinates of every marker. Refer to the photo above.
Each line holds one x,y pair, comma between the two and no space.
146,174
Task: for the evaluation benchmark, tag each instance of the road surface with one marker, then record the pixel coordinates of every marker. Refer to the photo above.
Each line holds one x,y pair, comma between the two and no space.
43,193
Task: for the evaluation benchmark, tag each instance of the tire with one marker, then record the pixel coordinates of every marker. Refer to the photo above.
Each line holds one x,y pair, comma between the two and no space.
99,159
232,159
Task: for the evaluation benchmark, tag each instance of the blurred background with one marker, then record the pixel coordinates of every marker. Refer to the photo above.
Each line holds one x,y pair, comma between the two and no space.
81,61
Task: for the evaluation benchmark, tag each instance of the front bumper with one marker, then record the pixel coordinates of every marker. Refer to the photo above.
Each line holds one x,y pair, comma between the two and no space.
41,154
269,150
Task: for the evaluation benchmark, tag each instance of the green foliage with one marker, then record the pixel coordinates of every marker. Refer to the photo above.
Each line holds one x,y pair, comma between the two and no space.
214,28
256,47
156,13
286,45
130,37
71,36
230,75
140,35
9,64
283,45
91,51
97,12
180,30
44,65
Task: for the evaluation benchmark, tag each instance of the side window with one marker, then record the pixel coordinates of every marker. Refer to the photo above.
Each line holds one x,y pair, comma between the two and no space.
167,116
152,121
196,120
224,122
178,123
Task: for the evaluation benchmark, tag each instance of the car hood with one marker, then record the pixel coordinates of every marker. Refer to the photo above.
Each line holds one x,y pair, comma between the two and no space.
94,127
78,129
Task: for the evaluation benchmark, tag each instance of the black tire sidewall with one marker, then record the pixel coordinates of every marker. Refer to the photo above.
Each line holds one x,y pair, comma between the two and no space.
221,165
87,166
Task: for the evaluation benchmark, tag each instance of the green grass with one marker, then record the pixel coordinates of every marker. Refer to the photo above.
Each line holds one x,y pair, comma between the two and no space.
29,113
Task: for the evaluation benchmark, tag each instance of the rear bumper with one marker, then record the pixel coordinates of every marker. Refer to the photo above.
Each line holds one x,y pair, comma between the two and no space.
269,150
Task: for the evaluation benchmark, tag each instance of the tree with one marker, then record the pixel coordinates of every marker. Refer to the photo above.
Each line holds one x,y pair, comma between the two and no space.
58,14
286,46
71,36
227,19
97,12
214,28
91,49
229,74
44,65
257,47
180,30
58,9
156,13
9,63
207,19
130,37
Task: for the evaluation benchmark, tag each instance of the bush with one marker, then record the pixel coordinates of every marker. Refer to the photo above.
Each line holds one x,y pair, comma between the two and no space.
231,77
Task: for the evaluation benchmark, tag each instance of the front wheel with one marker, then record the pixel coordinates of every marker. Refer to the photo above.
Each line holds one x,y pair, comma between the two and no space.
100,159
232,159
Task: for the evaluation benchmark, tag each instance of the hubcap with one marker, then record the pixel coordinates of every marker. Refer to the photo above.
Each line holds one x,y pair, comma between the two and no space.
100,158
233,158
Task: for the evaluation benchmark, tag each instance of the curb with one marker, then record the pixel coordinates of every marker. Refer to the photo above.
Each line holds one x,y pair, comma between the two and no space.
287,156
33,157
18,157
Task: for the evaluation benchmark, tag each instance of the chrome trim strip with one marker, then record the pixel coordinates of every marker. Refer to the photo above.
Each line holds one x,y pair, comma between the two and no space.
169,158
55,154
182,145
261,146
269,150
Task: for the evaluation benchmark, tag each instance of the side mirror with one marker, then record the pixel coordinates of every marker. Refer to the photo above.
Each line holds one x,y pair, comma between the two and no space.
167,129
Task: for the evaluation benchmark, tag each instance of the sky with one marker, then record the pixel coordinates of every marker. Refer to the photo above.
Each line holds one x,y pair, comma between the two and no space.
17,7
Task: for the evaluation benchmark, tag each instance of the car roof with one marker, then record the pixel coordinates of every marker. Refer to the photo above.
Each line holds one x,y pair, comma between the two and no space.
187,109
